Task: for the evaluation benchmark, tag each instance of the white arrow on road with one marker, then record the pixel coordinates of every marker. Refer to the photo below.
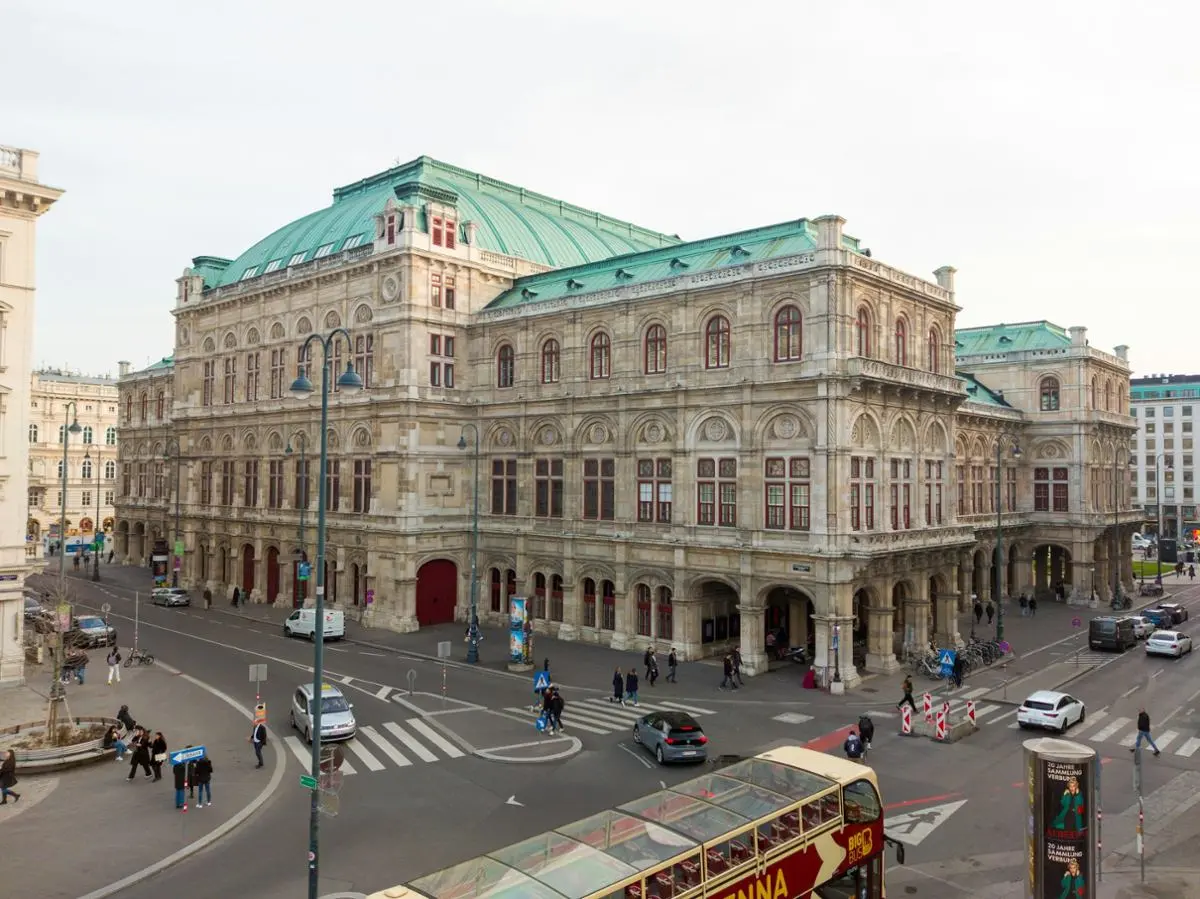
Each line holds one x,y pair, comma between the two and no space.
512,800
914,827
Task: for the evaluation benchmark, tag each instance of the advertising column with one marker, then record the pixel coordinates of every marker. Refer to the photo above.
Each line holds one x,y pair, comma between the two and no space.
518,634
1060,840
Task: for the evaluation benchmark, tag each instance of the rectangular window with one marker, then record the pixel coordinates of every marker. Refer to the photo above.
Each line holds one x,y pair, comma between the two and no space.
227,485
364,358
548,481
716,492
86,499
230,383
207,385
435,344
435,374
251,485
1010,489
279,382
333,485
977,493
788,493
297,258
160,481
599,489
362,485
448,347
900,493
933,492
1061,492
205,484
447,375
323,251
504,486
300,484
435,229
251,377
108,497
589,603
451,239
961,479
448,294
609,607
654,490
275,484
862,493
435,290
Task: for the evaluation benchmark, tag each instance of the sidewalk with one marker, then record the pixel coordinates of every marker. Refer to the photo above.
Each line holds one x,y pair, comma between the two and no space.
96,826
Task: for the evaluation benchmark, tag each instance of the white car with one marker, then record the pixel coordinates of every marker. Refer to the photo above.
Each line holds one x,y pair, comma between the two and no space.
1055,711
1168,643
1142,627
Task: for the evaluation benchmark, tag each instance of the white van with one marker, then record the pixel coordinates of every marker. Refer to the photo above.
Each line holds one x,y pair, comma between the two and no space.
303,623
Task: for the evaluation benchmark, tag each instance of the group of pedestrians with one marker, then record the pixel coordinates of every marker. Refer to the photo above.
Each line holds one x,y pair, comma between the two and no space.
147,750
731,667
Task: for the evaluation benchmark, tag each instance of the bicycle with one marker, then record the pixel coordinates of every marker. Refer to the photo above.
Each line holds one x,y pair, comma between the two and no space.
141,657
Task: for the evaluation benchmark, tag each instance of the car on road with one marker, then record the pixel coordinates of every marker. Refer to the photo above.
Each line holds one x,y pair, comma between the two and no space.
1051,710
89,631
1142,627
1178,612
33,609
337,714
1107,632
170,596
671,737
1168,643
1158,617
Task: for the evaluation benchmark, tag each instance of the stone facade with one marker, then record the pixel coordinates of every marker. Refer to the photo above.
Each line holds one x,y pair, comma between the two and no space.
23,199
91,456
676,450
146,459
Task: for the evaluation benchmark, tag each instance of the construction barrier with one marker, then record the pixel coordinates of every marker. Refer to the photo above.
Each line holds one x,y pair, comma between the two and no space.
940,726
971,711
946,708
905,720
928,702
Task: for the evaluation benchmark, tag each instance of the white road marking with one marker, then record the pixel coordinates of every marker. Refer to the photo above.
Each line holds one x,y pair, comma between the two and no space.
364,755
1129,740
1130,692
346,679
1188,749
978,691
595,718
636,755
1092,721
435,738
387,748
792,718
912,828
874,714
299,750
695,710
983,710
632,713
383,693
407,739
573,721
1164,740
1108,730
1171,714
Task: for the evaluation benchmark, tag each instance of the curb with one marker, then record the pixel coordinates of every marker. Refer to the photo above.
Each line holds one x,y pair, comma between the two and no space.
212,836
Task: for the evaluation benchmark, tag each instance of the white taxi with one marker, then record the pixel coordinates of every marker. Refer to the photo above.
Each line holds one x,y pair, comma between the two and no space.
1048,709
337,715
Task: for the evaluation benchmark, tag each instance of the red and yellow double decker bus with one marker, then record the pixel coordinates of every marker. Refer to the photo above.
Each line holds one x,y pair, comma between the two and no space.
787,824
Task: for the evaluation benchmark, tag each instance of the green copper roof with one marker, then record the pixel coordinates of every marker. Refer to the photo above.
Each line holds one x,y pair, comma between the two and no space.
161,365
1023,336
509,220
978,392
756,245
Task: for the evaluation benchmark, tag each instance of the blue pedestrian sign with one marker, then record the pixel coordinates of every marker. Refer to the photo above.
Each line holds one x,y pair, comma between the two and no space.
305,570
946,659
541,681
179,756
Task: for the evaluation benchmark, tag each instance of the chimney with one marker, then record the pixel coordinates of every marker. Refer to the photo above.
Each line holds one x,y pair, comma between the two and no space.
1122,352
122,369
471,230
945,277
829,232
1078,335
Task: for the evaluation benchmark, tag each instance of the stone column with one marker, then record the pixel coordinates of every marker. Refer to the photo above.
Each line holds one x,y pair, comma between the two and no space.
825,662
947,634
572,610
687,643
880,646
401,614
753,639
624,615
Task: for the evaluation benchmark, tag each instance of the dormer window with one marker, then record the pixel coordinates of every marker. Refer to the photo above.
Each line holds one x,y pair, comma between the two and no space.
451,233
296,259
272,266
443,231
324,251
1004,338
250,272
389,229
528,294
352,242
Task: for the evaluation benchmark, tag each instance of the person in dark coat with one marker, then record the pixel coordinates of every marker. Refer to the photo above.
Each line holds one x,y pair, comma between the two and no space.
8,778
126,720
618,685
158,753
204,772
556,709
631,686
139,747
180,772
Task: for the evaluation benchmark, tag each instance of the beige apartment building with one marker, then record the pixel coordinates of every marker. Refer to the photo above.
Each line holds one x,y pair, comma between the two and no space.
23,200
706,444
91,466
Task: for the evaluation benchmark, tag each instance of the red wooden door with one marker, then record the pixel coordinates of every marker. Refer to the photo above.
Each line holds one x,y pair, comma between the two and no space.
272,574
247,569
437,592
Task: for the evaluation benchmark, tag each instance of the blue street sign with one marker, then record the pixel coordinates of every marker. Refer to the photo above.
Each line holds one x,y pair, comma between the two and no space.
946,659
187,755
541,680
305,570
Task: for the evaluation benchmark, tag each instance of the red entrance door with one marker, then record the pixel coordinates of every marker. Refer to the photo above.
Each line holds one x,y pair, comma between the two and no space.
272,574
247,570
299,587
437,592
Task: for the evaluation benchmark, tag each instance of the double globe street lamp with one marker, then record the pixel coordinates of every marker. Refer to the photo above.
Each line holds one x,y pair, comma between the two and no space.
473,635
302,389
1016,453
70,426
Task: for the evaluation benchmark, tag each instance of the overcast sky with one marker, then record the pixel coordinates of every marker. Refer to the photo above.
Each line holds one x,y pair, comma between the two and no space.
1047,151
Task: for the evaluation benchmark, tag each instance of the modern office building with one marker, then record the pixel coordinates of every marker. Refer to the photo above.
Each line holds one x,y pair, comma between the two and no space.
1162,453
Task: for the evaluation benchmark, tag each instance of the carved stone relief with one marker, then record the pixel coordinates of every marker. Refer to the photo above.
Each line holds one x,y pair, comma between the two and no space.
548,436
652,433
715,430
391,288
504,437
785,427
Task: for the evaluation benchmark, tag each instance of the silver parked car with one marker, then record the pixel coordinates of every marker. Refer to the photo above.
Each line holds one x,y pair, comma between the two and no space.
671,736
170,596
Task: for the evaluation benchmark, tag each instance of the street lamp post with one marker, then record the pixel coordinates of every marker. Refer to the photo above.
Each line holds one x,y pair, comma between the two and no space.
302,388
303,441
473,628
96,527
72,416
1016,451
1116,565
177,562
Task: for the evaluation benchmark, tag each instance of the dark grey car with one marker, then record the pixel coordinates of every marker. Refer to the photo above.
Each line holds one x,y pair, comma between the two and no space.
91,631
671,736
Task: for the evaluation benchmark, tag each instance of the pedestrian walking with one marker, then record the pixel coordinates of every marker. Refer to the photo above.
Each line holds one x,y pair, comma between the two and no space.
114,665
179,770
672,665
556,709
8,778
207,599
258,738
113,741
1143,732
110,556
158,753
978,609
653,670
126,720
1024,605
727,669
1032,606
204,772
907,687
140,746
81,662
236,595
991,611
631,686
737,665
618,685
648,660
1191,572
959,669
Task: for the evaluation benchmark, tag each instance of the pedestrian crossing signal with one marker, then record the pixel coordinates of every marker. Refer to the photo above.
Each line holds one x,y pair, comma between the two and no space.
541,680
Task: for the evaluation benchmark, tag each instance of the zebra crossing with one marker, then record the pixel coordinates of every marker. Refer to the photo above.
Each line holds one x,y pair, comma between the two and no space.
596,715
401,744
958,705
1105,727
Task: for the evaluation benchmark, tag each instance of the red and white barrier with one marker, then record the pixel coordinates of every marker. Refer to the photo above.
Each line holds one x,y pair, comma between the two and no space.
905,720
928,703
946,708
940,727
971,712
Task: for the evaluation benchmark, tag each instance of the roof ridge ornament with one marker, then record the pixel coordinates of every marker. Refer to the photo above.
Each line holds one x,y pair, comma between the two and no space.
572,284
738,251
528,294
623,274
678,263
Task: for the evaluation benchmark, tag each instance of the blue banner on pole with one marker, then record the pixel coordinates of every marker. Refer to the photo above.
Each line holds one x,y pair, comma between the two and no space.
946,659
187,755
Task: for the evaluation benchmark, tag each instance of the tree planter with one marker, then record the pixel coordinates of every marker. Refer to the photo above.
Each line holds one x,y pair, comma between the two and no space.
34,758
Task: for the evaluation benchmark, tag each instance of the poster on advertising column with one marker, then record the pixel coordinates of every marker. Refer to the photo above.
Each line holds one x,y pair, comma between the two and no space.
1062,811
516,629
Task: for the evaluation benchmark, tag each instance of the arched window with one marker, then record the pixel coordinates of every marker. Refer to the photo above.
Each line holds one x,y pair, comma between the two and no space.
643,610
145,406
539,595
934,351
608,613
789,331
110,436
87,434
1108,396
556,598
1048,393
495,590
33,433
901,349
862,332
716,342
589,602
666,626
505,366
1094,395
85,471
128,409
655,356
160,403
110,470
550,359
601,357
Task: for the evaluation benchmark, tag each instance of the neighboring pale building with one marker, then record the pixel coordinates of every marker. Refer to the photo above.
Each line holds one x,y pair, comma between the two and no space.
91,457
147,459
22,201
1162,453
686,443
